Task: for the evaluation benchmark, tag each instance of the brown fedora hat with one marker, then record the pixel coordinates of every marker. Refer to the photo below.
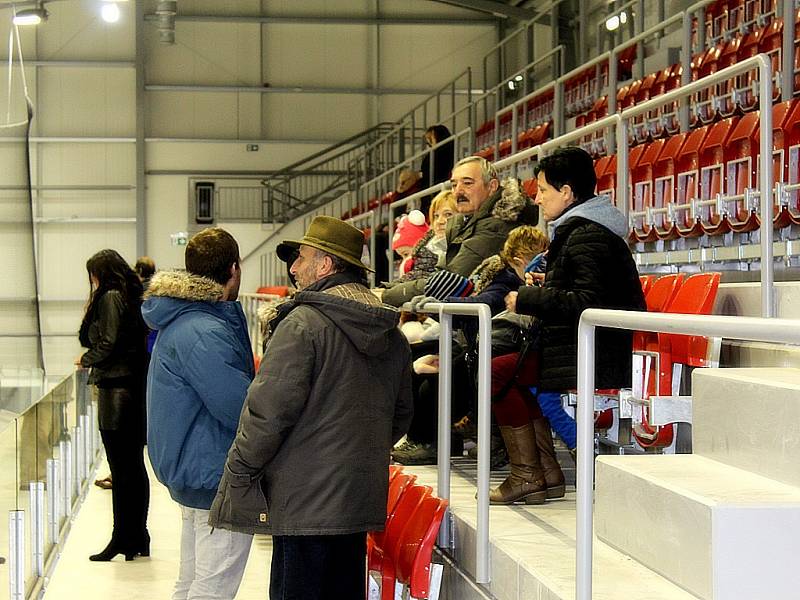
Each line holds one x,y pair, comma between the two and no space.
330,235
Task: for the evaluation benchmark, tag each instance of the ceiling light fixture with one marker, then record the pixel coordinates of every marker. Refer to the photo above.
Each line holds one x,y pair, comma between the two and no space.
30,16
110,12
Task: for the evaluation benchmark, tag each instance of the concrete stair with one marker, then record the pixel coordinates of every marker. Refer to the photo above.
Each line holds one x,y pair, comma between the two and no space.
533,551
722,523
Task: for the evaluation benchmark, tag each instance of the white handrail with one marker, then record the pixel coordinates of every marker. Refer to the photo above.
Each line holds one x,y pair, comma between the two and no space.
783,331
445,311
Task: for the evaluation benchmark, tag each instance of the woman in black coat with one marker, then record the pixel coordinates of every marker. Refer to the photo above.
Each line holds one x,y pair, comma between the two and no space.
115,335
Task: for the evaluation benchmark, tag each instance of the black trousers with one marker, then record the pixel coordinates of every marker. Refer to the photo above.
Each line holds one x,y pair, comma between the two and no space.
130,489
319,567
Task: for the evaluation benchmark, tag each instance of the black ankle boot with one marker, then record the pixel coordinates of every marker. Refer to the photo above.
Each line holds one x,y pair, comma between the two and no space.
111,550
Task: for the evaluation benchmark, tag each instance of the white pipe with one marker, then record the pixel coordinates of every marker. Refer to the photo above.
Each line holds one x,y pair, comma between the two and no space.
784,331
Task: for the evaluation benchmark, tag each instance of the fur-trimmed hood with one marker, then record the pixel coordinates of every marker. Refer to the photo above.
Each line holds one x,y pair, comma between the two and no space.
185,286
174,293
512,202
485,273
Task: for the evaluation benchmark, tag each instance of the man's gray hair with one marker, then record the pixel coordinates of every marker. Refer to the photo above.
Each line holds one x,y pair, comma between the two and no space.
488,172
340,265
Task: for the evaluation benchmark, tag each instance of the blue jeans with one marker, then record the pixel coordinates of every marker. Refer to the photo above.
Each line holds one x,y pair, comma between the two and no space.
318,567
564,425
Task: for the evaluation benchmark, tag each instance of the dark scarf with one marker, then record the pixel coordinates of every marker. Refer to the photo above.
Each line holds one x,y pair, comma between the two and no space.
342,278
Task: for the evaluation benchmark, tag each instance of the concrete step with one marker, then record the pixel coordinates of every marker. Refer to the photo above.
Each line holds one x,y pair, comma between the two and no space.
717,531
747,418
533,550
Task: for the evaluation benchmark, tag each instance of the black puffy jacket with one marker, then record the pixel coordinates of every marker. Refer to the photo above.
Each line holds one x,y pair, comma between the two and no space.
588,266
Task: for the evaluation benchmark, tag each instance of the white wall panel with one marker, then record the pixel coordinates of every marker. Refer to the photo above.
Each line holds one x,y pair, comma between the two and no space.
213,53
430,56
224,156
85,102
324,116
318,7
64,249
76,31
87,163
315,55
192,114
167,207
17,264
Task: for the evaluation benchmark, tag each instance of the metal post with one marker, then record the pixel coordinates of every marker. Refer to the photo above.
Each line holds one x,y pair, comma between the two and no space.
16,558
65,453
53,499
585,463
765,135
77,460
787,63
686,75
613,66
622,167
37,526
482,570
443,443
373,222
640,44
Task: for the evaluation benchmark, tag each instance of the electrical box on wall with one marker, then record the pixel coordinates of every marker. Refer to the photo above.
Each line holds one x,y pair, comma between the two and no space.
204,202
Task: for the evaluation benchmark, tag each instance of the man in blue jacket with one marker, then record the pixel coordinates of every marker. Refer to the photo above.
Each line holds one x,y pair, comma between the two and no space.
200,369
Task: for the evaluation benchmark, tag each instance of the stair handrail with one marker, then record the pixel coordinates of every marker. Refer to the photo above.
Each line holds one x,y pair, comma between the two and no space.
754,329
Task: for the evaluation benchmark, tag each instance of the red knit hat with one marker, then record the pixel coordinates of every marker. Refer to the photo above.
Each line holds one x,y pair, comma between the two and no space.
410,230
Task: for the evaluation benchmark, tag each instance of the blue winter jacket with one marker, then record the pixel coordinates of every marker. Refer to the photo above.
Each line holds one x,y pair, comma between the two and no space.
200,369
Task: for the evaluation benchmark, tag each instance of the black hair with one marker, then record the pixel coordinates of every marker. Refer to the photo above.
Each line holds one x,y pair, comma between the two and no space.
211,253
440,132
112,273
571,166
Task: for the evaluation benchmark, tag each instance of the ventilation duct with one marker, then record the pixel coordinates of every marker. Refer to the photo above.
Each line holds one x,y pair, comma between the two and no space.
166,11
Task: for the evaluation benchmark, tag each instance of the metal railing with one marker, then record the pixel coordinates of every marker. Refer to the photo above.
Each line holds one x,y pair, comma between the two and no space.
783,331
446,312
55,444
250,305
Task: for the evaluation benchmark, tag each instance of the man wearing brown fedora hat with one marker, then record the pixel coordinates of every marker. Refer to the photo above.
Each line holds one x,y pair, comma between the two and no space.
309,464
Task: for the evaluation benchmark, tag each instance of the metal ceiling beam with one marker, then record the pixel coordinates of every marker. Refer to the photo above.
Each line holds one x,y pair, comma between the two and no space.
323,20
256,89
497,9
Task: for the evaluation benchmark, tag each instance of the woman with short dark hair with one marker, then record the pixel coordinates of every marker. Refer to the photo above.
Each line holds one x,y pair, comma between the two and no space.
115,334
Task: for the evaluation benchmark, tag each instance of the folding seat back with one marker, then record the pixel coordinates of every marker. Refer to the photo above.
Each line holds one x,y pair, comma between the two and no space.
647,282
385,551
695,297
275,290
665,180
782,113
770,43
741,154
484,135
394,471
688,174
712,167
642,184
704,100
662,291
792,142
605,169
413,552
397,487
726,97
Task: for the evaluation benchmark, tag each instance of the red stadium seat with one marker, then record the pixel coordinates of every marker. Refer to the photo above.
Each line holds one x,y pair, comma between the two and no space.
647,282
642,184
398,485
276,290
687,183
605,169
664,183
704,101
414,549
741,154
712,175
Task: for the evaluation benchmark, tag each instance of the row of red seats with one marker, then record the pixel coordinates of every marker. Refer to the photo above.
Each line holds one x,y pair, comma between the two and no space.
402,551
715,163
726,18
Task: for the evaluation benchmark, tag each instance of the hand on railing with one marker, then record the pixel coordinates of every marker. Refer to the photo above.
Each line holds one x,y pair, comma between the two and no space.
417,303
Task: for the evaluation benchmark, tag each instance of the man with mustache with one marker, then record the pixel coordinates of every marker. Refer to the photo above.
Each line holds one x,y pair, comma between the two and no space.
488,211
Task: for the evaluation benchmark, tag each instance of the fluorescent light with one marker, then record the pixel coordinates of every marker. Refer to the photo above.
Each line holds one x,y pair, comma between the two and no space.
623,17
110,12
518,78
30,16
511,85
612,23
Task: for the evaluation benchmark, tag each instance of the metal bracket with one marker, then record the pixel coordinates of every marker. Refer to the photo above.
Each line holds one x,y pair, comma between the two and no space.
670,409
